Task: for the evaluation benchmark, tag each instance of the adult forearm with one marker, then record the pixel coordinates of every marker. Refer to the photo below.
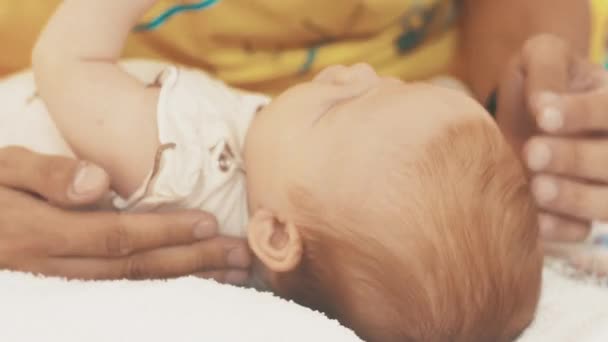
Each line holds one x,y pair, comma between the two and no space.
494,30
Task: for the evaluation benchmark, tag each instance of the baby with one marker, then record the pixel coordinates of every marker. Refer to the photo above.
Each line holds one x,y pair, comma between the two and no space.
396,208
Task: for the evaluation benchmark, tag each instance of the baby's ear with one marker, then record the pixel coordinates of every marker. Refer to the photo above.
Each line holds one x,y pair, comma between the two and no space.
277,244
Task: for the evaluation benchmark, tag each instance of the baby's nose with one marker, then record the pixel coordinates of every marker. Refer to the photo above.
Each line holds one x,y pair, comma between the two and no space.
340,74
364,72
360,73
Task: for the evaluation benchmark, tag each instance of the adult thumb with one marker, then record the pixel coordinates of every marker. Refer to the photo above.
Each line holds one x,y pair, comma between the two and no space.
63,181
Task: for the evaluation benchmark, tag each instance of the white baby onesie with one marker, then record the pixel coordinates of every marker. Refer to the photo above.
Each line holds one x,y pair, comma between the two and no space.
201,125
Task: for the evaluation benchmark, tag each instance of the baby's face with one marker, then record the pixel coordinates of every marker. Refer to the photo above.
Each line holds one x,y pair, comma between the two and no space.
328,134
349,144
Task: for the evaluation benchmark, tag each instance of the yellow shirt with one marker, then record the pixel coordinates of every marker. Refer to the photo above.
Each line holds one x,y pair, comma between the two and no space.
599,36
266,45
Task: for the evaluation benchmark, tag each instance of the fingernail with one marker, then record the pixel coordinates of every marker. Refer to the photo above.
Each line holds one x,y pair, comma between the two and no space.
551,119
539,156
239,257
546,226
89,178
236,277
545,190
205,229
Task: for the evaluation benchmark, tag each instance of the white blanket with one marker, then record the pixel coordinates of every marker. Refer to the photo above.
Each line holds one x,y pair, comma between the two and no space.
570,311
188,309
191,309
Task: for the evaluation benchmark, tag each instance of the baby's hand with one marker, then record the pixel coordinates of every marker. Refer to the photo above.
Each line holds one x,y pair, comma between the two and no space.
594,262
589,258
553,107
594,258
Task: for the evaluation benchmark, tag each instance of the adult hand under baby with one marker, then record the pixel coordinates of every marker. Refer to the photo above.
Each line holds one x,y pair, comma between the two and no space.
553,106
37,233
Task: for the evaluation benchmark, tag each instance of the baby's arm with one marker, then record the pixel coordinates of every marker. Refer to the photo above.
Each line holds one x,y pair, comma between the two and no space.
107,116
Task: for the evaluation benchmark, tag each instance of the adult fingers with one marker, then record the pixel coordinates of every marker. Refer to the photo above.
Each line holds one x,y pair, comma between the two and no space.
234,277
211,254
110,234
577,113
546,61
575,158
561,229
587,202
587,76
64,181
512,116
560,250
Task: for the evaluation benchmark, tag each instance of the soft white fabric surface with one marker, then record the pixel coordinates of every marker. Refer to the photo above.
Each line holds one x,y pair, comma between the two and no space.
191,309
570,311
188,309
202,124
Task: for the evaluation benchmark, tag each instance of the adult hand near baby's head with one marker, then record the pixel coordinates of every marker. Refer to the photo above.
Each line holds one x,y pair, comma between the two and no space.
38,234
553,107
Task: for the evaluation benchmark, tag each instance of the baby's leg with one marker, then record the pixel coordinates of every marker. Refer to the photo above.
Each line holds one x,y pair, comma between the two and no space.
24,120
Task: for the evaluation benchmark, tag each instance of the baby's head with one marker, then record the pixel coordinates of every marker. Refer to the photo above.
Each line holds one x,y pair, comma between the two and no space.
396,208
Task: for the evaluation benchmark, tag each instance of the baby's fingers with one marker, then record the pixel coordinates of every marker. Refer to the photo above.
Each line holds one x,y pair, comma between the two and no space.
588,261
592,262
